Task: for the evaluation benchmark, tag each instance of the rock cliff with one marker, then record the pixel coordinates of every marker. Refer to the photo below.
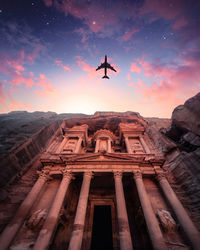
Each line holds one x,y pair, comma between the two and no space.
184,163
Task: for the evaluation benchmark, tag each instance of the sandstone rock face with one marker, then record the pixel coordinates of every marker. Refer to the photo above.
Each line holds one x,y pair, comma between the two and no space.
186,117
23,137
17,126
155,128
185,166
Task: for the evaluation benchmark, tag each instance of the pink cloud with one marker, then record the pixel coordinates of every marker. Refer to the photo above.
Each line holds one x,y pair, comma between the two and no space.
60,64
135,68
91,71
128,77
19,79
93,75
8,103
179,23
16,105
45,84
2,95
163,8
84,35
48,3
95,15
173,83
15,70
128,48
127,36
9,65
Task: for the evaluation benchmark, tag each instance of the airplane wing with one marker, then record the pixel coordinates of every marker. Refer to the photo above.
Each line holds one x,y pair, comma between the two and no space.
101,66
110,67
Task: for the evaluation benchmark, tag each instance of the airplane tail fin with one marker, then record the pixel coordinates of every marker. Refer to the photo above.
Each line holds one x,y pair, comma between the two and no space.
106,77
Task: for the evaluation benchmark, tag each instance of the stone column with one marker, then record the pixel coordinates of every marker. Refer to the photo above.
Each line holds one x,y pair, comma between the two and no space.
49,226
124,231
62,144
180,212
78,145
155,234
146,148
128,145
97,146
109,146
79,221
12,228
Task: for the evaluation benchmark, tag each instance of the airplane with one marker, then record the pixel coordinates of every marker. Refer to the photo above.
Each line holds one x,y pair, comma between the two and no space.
106,66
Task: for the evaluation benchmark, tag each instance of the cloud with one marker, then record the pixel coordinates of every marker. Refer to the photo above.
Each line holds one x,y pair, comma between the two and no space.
45,84
128,77
60,64
173,83
48,3
2,95
128,34
162,8
135,68
16,105
84,33
19,79
8,103
19,35
102,17
183,15
91,71
179,23
91,74
14,69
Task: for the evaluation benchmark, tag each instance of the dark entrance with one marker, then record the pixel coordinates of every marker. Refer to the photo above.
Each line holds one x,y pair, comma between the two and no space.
102,229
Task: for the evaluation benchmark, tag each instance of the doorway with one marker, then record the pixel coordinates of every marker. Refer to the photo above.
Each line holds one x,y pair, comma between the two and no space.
102,228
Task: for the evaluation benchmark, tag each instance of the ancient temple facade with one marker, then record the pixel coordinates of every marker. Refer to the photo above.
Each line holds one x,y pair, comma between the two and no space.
101,187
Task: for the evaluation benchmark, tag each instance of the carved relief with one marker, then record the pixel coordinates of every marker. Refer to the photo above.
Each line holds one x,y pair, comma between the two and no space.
70,145
166,220
118,174
103,145
137,175
136,146
36,219
103,138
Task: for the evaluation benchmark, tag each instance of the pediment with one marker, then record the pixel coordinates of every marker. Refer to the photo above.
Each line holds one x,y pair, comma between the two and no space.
103,157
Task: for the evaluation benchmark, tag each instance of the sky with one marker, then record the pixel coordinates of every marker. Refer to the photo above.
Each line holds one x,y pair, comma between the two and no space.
50,49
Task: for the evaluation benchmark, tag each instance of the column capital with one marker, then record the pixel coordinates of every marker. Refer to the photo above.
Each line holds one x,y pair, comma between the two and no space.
160,176
118,174
67,174
137,174
43,174
126,136
89,174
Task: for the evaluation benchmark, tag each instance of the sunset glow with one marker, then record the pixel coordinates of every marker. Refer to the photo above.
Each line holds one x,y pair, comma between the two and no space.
50,49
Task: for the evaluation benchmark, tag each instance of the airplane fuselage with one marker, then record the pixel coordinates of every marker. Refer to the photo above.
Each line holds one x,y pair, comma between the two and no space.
105,65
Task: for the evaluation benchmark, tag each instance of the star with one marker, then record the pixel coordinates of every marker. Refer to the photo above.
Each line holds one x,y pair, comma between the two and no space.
1,11
32,4
47,23
94,22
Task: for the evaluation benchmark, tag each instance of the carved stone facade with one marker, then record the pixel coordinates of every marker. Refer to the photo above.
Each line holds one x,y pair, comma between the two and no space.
101,187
